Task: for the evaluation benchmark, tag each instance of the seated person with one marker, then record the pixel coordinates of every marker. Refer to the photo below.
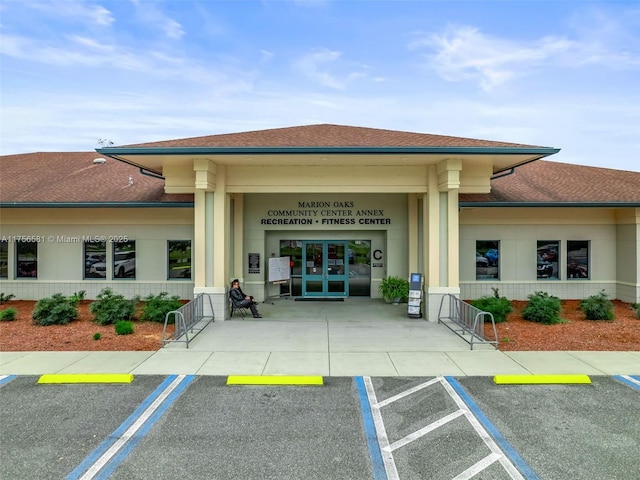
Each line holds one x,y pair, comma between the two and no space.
239,299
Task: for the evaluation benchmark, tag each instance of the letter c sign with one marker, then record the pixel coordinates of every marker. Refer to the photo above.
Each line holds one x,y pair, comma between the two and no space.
377,254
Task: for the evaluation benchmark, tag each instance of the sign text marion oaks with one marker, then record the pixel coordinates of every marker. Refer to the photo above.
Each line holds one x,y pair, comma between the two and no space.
326,213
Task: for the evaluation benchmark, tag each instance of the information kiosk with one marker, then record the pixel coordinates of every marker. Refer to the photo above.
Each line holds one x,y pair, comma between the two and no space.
415,296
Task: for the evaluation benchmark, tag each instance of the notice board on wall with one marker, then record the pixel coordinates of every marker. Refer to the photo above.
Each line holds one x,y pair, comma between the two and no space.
279,269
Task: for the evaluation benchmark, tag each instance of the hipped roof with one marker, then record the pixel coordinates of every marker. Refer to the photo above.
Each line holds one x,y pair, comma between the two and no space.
72,178
326,135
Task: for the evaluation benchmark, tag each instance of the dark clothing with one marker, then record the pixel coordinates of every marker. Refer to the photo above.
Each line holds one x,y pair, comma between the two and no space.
239,300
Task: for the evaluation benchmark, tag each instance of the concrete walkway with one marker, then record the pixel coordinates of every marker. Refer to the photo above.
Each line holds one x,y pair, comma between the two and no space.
354,337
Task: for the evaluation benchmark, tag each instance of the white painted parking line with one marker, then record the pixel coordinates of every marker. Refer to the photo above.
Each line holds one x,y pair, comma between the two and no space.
500,450
103,461
423,431
383,440
6,378
407,393
629,380
478,467
484,435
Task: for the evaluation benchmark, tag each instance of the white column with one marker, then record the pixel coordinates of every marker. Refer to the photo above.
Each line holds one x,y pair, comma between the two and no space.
412,231
238,236
199,239
221,232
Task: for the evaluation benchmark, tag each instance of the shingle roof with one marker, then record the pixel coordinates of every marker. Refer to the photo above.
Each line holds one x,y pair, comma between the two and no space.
549,182
327,135
73,177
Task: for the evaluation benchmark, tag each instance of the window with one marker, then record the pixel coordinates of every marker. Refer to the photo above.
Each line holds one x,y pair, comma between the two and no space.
577,259
95,259
487,259
179,252
359,268
4,259
124,260
26,259
548,254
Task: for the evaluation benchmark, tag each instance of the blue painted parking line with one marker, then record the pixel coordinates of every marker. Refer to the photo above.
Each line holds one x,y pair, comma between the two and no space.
6,379
103,461
379,472
632,381
495,434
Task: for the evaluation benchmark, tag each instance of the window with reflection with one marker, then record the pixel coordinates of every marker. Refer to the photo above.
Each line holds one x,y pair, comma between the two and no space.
487,260
124,259
577,259
95,259
359,268
548,256
179,255
26,259
4,259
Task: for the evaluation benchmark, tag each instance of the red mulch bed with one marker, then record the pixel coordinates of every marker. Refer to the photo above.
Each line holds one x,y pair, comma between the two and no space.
620,334
22,335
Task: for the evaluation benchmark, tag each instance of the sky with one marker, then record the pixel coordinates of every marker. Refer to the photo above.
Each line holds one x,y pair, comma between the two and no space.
76,75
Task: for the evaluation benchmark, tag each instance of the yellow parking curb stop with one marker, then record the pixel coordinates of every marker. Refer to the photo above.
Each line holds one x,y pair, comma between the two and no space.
540,379
274,380
86,378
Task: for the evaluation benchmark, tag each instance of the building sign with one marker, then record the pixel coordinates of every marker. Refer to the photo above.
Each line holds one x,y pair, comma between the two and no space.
325,213
254,263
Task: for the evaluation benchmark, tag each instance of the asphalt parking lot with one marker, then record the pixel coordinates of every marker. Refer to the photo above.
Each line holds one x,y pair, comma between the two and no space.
197,427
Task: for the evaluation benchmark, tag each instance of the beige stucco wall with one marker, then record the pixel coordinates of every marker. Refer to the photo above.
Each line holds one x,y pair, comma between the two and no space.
61,254
614,237
628,259
390,238
613,251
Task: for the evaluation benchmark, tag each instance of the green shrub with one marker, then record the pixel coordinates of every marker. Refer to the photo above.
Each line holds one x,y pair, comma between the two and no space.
77,297
109,307
636,307
8,314
56,310
97,336
156,307
498,306
5,298
597,307
543,308
124,327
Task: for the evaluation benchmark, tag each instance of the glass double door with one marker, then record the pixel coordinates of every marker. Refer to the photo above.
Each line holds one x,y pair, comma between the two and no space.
325,271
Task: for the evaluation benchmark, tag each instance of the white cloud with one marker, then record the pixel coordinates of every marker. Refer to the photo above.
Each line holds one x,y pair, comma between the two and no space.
323,66
464,53
265,56
150,14
91,43
64,9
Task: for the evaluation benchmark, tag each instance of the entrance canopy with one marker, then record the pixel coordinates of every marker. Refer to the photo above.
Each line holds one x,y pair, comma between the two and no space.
325,145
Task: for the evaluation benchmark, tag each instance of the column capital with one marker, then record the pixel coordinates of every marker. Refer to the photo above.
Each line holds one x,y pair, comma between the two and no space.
449,174
206,171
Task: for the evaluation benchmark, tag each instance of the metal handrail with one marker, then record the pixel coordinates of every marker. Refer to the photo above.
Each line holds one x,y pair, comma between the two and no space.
188,319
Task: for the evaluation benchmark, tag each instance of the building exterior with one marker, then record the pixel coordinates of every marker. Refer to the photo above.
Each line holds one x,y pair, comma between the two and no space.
347,205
